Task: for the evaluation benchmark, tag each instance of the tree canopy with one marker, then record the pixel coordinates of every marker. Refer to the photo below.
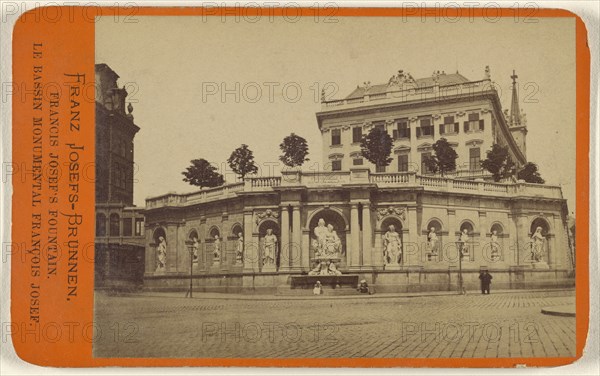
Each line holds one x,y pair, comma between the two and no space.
294,151
376,147
529,172
498,162
444,159
242,162
202,174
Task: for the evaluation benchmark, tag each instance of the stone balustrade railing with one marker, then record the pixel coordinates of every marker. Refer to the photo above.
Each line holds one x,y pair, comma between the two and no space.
357,176
414,93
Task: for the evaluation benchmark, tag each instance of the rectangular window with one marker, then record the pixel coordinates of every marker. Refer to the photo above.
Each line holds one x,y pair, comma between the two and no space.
336,165
449,126
474,159
336,137
425,128
474,123
356,134
402,129
357,161
139,226
127,227
424,168
379,124
379,168
403,163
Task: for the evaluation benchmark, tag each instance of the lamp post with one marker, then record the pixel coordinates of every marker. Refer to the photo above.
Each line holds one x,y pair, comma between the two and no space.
190,245
459,245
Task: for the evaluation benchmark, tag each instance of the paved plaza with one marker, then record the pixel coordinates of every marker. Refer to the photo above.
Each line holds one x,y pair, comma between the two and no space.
503,324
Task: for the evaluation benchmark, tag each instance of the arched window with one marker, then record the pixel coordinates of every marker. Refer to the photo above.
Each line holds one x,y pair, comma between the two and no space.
100,224
114,225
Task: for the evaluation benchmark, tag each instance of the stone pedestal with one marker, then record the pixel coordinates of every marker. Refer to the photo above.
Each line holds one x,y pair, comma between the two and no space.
270,268
540,265
392,266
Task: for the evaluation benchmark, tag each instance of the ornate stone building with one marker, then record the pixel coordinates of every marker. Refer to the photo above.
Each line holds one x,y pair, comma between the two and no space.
119,243
428,213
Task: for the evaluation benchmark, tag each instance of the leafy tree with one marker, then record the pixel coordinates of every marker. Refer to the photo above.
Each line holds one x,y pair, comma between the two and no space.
241,161
376,147
295,150
530,174
498,162
444,159
202,174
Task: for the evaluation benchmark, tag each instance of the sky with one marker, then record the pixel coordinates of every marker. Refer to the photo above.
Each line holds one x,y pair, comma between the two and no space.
202,87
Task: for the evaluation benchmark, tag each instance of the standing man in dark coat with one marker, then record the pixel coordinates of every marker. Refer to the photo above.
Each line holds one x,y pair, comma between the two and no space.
486,279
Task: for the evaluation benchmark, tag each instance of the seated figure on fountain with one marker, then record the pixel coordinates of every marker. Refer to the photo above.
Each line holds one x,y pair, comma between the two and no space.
333,244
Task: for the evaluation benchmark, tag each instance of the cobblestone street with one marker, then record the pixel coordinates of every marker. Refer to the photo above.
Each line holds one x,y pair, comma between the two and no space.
500,325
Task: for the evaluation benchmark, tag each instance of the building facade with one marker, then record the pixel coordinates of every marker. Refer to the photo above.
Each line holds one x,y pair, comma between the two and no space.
222,237
119,242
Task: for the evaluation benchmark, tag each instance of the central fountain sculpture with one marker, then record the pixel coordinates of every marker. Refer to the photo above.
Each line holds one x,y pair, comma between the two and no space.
327,247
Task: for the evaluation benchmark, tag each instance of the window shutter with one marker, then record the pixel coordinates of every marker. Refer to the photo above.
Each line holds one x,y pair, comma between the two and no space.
418,131
466,126
481,124
441,128
456,128
408,133
395,134
431,130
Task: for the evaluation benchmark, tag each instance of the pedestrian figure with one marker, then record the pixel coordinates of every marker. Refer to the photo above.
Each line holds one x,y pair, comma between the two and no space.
486,280
318,289
363,287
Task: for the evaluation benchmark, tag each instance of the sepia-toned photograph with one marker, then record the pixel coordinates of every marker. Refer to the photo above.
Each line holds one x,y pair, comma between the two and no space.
323,186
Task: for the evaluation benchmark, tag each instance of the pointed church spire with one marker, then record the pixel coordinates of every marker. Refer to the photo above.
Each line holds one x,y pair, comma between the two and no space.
515,113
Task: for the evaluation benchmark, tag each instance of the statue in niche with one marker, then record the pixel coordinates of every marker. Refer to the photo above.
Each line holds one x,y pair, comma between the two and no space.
161,253
392,245
495,246
217,248
432,241
195,248
464,239
270,248
537,245
239,251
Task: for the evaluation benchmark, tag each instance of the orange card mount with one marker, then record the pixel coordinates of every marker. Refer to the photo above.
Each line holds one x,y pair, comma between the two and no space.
54,203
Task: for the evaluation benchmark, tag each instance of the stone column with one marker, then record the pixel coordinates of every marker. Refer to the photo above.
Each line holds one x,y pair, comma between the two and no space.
522,248
172,256
296,245
484,245
354,249
449,245
250,248
412,247
367,240
284,248
305,250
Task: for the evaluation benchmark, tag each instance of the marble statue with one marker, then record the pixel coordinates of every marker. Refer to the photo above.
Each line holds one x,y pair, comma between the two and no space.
537,245
320,233
432,240
270,248
464,239
239,254
333,244
495,246
332,269
195,248
161,253
392,245
316,270
217,248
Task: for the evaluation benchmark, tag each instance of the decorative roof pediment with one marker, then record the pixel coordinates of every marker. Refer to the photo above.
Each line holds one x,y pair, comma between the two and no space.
336,156
401,149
